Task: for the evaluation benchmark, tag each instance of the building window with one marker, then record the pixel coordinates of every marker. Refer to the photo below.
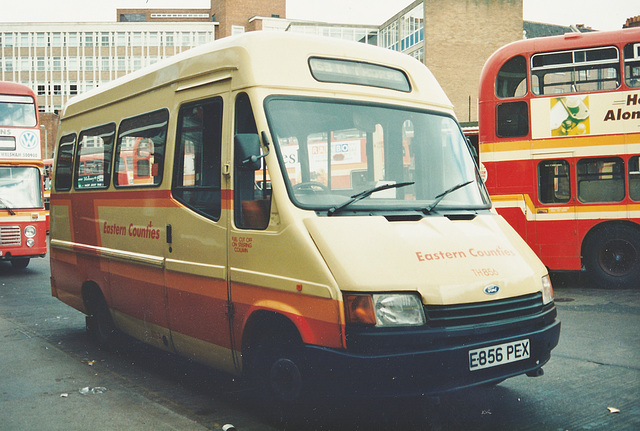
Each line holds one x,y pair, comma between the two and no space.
72,39
40,40
121,39
136,40
56,39
57,63
105,40
72,63
25,64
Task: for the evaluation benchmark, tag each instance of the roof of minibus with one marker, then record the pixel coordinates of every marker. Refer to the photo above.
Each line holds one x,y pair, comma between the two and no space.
269,59
550,44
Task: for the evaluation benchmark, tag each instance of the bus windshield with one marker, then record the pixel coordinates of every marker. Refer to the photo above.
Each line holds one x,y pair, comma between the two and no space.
20,187
17,111
344,156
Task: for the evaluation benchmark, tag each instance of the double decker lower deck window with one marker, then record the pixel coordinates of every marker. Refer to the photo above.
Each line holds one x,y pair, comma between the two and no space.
600,180
554,183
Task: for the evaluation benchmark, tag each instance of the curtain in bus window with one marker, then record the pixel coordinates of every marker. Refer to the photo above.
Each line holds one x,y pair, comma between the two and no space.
632,64
196,181
600,180
93,160
139,157
64,165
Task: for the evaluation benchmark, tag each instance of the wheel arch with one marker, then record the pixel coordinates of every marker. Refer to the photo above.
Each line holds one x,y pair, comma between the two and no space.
91,295
266,323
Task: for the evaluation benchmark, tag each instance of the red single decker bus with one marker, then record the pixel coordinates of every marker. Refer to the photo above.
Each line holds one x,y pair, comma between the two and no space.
559,136
23,230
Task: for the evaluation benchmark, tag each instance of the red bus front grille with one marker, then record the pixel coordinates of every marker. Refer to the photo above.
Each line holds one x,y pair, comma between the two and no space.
10,236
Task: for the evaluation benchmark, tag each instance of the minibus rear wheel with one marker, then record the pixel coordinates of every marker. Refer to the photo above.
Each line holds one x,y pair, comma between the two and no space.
99,322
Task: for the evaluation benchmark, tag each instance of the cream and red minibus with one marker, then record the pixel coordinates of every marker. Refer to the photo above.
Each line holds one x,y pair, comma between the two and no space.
312,219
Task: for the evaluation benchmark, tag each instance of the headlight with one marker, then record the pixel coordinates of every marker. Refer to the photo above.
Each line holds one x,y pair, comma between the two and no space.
30,231
547,290
384,310
31,242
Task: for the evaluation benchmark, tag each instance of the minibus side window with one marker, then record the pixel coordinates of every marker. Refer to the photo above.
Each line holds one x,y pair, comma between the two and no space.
139,158
64,165
93,159
252,194
196,179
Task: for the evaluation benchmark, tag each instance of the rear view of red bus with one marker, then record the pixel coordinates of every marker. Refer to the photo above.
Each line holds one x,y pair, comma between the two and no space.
559,126
23,229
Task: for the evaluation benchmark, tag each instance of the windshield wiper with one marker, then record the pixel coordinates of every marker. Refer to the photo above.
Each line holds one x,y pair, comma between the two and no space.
442,195
366,194
6,205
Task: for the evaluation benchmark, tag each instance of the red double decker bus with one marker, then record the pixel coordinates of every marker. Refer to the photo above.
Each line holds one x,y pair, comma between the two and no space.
559,135
23,230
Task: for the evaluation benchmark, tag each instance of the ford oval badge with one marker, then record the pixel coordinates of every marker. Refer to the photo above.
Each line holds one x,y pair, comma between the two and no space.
491,289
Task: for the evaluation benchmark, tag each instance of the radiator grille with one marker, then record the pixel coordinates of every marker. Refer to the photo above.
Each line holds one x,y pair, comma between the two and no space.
10,236
480,312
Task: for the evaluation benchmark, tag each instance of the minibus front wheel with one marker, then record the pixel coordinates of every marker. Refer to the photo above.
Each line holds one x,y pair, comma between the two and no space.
274,356
276,370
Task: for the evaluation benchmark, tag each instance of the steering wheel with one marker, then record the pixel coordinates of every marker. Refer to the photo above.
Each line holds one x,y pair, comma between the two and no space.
311,186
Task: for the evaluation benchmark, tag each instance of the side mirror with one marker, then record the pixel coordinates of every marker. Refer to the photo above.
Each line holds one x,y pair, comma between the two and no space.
247,147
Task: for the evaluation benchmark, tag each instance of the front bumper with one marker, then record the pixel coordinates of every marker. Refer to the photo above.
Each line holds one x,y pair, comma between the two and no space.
421,362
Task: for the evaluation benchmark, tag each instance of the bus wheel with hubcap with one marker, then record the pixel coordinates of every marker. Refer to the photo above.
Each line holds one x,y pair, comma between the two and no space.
612,257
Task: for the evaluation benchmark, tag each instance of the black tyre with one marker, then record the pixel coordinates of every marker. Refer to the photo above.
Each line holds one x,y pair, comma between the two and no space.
20,263
612,257
276,371
99,322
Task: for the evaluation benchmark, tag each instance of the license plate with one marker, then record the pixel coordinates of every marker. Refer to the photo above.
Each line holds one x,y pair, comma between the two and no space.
500,354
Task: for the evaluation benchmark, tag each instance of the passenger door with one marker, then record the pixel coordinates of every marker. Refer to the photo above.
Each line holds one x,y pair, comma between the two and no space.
196,255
